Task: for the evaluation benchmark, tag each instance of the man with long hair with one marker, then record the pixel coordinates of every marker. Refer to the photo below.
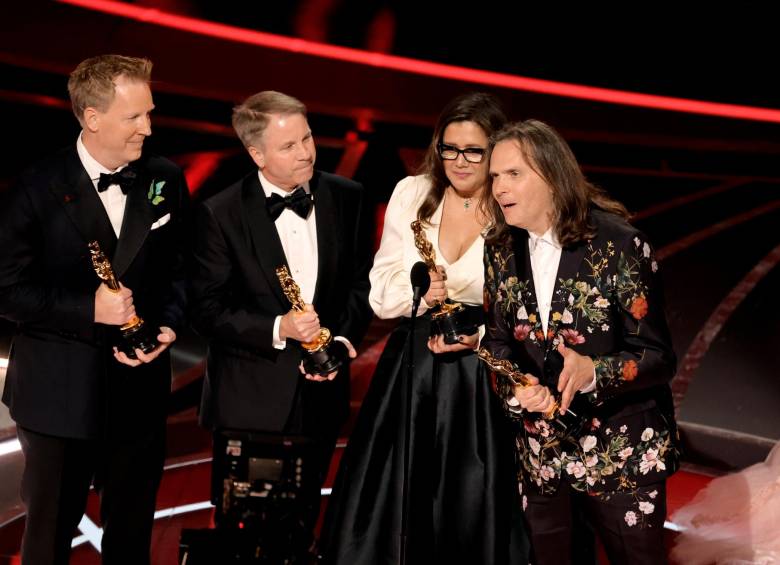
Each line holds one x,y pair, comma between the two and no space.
574,303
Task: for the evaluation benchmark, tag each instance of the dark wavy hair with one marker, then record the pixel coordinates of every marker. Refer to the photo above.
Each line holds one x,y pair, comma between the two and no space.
548,154
479,107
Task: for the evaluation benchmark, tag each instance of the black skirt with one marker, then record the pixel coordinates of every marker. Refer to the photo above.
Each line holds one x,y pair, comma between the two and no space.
463,489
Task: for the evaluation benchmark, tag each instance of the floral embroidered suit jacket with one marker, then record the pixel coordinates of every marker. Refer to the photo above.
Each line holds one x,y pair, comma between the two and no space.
607,304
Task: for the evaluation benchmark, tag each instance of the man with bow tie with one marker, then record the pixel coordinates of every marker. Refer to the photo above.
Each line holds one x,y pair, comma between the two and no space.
286,213
85,412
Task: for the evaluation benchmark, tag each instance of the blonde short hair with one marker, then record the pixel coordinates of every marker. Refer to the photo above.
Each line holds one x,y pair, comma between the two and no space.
91,84
250,118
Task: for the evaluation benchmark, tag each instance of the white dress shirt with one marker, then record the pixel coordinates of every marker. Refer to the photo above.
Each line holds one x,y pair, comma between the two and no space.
545,254
299,243
391,287
113,198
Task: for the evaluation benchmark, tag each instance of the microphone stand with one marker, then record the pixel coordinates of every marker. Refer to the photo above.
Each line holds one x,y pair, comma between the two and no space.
405,506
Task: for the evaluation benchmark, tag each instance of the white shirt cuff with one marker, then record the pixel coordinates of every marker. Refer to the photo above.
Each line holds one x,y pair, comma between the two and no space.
592,386
344,340
513,404
277,342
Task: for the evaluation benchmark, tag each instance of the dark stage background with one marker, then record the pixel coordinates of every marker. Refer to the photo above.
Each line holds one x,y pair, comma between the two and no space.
705,188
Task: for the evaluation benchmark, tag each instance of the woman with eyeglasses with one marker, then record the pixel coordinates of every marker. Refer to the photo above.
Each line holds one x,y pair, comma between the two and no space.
462,484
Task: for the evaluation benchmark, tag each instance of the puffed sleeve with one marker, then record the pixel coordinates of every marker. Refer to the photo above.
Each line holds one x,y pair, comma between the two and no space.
391,289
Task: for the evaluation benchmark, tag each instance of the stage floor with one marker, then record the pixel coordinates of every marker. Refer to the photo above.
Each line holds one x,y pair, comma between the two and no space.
183,503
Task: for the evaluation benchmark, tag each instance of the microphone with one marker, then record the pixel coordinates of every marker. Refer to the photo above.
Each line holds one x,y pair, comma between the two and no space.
421,282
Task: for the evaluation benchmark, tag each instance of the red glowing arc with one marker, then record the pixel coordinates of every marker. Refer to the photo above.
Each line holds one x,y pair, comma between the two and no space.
427,68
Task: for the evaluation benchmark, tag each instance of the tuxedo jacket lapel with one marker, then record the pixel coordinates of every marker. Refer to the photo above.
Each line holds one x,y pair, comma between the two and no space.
568,268
571,261
76,194
262,231
138,218
525,274
524,271
327,241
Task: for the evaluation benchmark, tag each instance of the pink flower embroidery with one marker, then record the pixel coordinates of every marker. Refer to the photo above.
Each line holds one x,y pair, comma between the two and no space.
572,337
521,331
577,469
650,461
646,507
543,428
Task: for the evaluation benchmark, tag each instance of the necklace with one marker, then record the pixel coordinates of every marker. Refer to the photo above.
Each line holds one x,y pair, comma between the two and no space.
467,201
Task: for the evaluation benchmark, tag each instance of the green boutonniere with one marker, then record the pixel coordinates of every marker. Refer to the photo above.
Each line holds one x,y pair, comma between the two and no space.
155,190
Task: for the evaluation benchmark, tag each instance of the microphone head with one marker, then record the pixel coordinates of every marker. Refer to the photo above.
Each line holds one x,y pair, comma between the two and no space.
421,278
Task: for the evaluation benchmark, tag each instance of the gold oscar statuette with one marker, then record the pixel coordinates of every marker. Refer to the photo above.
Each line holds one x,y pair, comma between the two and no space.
135,334
568,424
516,377
321,357
448,318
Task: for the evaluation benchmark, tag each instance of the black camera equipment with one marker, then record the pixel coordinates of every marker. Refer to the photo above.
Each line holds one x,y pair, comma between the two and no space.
260,485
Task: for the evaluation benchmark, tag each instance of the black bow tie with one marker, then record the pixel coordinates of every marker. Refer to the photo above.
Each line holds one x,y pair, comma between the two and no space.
124,178
298,201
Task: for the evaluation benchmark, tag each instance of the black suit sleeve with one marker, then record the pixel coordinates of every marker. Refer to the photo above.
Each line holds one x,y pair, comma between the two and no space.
216,313
357,312
26,296
646,358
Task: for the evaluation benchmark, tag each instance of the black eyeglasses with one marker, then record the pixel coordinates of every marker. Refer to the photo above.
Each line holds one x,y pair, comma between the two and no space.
471,154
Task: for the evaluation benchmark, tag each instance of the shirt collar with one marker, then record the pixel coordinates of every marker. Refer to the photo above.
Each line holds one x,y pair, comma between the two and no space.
93,168
547,237
269,188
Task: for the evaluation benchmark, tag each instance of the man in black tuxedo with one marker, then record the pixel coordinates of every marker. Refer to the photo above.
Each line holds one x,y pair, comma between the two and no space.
285,213
84,411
